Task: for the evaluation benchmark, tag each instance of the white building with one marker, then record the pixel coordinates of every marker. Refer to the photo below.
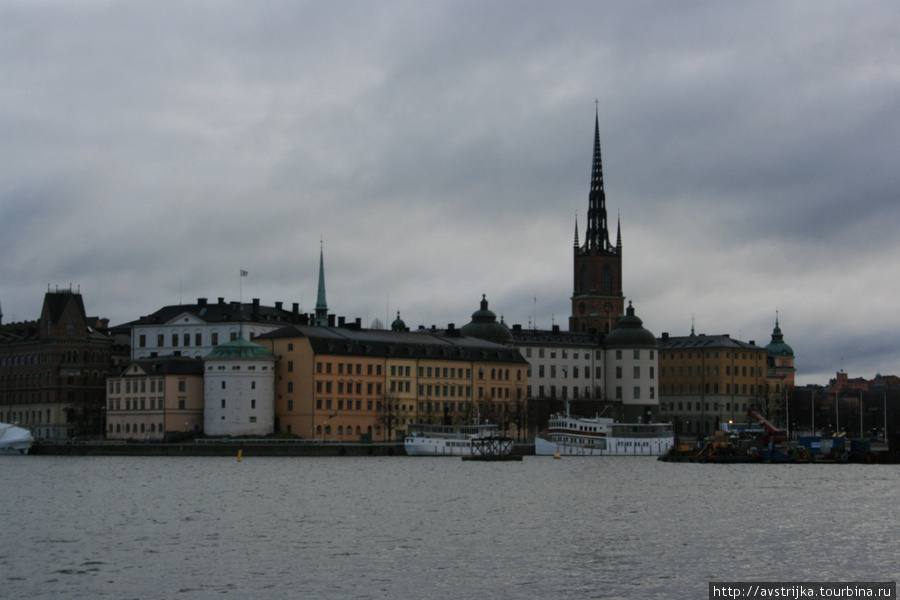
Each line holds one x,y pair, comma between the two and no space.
195,329
239,390
562,365
632,363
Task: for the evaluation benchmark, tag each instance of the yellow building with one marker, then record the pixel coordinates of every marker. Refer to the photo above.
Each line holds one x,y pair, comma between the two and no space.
706,380
350,384
153,398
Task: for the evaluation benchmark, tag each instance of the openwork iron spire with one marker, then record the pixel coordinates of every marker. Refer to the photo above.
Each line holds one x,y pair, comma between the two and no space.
597,236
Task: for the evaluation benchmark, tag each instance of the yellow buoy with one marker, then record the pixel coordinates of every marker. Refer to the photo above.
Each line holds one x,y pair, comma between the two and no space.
557,455
240,452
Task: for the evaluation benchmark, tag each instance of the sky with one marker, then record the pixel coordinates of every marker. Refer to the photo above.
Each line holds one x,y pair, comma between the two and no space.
439,151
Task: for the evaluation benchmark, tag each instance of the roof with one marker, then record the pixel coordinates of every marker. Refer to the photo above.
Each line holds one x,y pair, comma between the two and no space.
554,337
240,349
484,325
777,345
449,345
630,332
703,341
165,365
219,312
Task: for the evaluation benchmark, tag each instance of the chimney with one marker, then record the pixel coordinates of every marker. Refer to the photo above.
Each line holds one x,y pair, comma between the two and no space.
341,321
256,309
278,305
221,300
201,301
331,320
556,329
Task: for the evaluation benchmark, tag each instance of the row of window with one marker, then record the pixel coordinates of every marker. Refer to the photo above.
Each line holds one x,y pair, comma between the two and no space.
687,388
705,406
564,391
34,379
140,404
370,368
326,387
564,352
133,428
69,356
714,370
25,416
737,356
184,339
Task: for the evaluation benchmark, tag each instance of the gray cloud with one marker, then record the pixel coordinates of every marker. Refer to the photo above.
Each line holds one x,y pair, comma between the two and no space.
442,150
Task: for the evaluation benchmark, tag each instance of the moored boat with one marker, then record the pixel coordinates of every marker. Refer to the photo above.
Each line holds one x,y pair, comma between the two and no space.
424,439
14,439
569,435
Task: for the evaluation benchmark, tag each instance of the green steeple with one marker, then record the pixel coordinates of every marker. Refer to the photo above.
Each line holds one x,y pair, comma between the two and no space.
321,304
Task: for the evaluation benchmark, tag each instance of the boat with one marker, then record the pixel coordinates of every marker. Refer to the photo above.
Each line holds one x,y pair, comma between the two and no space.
14,439
424,439
569,435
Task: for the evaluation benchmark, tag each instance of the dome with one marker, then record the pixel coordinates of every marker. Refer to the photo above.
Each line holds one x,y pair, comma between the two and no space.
777,347
398,324
241,349
484,326
630,332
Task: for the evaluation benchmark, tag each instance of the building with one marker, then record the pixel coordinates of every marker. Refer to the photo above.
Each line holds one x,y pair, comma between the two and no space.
348,383
597,299
155,399
195,329
239,390
53,370
705,380
631,354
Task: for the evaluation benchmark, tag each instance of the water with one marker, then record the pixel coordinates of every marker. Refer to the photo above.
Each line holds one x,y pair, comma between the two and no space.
398,528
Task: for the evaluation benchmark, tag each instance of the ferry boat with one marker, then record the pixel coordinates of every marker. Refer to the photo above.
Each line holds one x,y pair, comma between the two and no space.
569,435
424,439
14,440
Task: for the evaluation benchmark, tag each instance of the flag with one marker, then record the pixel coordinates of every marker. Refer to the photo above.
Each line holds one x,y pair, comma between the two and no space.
244,273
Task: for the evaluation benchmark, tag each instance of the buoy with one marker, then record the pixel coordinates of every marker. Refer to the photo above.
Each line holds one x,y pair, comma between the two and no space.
240,452
557,455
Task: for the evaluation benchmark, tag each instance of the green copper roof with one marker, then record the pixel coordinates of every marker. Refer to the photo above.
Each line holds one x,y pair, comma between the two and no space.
630,332
777,347
240,348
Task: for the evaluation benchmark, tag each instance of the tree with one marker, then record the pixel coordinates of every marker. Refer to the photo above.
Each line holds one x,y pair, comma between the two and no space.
389,414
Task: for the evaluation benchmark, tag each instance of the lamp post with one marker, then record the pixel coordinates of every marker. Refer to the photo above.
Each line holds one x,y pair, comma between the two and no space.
812,409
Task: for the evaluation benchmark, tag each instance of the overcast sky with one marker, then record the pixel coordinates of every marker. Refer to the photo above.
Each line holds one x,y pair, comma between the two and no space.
441,150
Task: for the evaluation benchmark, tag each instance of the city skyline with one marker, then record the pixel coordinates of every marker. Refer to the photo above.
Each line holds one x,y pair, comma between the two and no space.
443,150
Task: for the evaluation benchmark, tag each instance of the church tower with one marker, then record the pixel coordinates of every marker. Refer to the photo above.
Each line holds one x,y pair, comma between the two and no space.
597,300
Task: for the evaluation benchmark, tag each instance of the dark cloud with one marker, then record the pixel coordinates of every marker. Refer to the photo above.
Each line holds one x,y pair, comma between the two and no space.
442,150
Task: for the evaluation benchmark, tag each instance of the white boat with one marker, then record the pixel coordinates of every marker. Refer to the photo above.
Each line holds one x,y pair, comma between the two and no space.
568,435
14,440
423,439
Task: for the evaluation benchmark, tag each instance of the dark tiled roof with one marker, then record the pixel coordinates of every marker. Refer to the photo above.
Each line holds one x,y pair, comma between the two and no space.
218,312
398,344
702,341
555,337
167,365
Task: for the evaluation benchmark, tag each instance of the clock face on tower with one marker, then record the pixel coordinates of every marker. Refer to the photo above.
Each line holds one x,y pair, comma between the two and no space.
608,307
582,308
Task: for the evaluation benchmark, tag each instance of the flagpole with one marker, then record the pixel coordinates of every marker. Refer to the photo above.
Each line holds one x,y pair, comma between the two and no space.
241,286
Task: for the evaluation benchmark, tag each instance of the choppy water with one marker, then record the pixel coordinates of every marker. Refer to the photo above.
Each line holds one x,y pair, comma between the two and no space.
113,527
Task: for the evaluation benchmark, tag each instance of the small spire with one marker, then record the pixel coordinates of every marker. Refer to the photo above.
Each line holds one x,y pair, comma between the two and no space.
618,230
321,304
576,228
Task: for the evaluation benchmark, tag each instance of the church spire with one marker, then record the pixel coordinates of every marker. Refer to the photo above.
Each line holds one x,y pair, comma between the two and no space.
597,237
576,230
618,232
321,304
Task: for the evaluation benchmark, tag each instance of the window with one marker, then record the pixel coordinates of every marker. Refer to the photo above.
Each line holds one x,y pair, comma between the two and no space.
182,385
290,366
637,355
160,340
618,355
142,340
637,372
637,392
215,338
290,386
174,340
223,402
618,372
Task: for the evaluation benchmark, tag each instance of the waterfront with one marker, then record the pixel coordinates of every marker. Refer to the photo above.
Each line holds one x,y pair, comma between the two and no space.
211,527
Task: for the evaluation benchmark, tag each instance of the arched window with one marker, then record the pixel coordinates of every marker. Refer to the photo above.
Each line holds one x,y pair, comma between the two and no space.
607,281
340,430
584,280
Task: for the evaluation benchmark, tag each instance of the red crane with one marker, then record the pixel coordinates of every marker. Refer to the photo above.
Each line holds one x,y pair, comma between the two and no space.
774,434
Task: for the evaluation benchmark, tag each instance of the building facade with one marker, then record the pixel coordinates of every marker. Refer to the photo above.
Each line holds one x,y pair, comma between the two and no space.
154,399
239,390
351,384
706,380
53,370
195,329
